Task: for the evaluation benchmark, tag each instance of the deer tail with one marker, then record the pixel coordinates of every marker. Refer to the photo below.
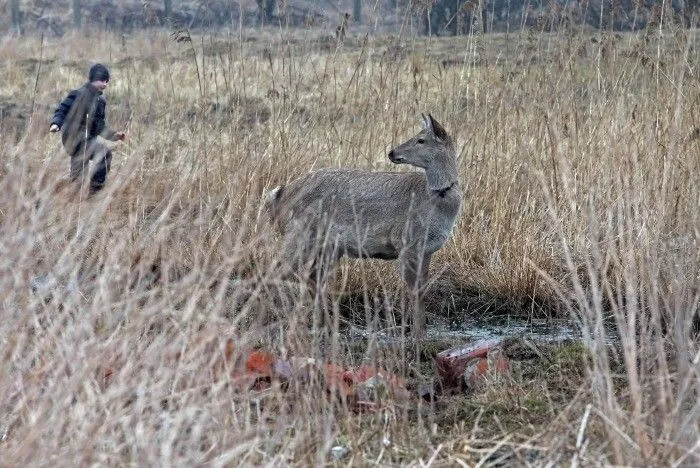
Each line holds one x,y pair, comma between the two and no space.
272,201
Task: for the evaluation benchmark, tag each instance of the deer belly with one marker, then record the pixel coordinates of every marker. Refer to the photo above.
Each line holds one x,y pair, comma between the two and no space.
381,250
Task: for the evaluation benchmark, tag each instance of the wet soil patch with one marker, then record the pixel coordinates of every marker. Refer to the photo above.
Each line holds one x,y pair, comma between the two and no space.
451,305
462,315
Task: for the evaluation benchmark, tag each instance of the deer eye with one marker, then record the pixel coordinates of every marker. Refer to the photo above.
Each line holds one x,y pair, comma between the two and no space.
421,141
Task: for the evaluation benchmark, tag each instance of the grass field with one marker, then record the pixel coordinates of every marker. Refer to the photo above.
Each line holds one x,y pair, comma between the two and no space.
579,156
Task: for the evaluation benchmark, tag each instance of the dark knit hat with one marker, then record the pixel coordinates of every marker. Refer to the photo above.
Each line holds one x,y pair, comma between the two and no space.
98,72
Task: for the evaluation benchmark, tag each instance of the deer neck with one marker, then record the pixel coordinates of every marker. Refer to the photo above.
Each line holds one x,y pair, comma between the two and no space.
441,181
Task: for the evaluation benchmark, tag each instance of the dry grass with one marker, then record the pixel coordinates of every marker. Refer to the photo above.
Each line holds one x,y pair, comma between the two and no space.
580,159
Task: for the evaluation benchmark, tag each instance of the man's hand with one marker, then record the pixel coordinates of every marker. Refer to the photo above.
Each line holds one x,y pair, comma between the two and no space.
54,128
119,136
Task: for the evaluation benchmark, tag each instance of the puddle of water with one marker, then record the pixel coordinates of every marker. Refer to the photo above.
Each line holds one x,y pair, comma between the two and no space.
470,330
535,329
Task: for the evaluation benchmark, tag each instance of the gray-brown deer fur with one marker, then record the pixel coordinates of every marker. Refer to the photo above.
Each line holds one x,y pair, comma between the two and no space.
407,216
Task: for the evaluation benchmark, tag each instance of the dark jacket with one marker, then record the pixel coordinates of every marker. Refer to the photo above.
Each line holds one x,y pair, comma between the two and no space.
81,117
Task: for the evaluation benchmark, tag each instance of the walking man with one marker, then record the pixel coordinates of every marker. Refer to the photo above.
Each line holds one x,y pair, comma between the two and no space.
81,118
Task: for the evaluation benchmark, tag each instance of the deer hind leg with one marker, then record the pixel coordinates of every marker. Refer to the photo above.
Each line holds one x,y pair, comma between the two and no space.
414,270
308,253
309,257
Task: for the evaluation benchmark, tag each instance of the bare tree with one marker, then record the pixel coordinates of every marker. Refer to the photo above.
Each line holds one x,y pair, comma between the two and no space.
266,8
453,17
77,13
357,11
16,16
168,9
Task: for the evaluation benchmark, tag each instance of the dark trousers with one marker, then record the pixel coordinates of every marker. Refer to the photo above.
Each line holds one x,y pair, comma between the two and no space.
101,157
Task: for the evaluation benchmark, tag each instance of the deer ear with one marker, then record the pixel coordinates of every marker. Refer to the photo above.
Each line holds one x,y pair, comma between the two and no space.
437,129
426,122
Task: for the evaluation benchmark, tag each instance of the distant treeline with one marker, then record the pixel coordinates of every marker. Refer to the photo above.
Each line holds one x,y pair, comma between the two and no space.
465,16
435,17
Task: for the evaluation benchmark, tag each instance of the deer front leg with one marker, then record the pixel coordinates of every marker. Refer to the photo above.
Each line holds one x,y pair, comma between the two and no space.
414,270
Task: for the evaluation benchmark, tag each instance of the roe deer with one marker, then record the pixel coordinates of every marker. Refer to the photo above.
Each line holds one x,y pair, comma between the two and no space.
407,216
